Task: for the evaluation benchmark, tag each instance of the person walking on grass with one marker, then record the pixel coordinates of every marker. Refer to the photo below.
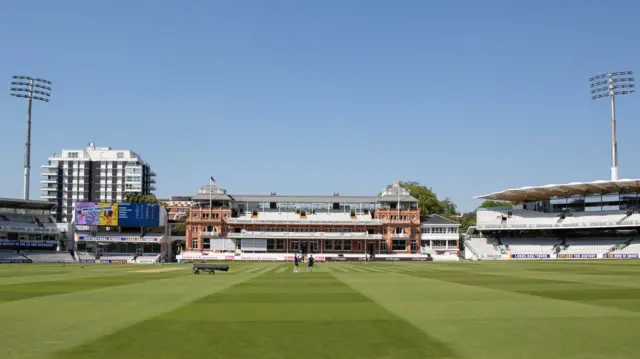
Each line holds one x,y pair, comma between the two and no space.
296,262
310,261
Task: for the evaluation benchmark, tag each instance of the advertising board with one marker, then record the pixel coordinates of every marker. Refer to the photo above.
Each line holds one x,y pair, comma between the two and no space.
577,256
29,244
379,259
82,238
96,214
529,256
620,255
12,261
117,214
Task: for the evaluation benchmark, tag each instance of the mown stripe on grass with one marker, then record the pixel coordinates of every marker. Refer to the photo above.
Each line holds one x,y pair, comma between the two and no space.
561,289
13,292
31,273
484,323
273,316
42,326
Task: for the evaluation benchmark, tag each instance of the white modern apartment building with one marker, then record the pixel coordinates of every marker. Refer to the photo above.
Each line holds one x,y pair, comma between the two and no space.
95,174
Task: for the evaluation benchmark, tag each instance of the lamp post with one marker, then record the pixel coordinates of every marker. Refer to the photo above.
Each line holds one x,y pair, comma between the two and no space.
612,84
31,88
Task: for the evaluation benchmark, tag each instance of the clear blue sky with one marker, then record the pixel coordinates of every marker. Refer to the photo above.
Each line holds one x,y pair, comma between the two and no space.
317,97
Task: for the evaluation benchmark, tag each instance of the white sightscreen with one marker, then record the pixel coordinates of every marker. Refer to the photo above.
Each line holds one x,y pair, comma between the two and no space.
219,244
258,245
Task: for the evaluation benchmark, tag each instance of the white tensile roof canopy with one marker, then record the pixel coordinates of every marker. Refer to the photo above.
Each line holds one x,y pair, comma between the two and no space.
565,190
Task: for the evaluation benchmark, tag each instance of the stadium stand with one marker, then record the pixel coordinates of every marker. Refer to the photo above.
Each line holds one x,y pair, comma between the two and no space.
531,245
49,257
630,247
593,218
576,220
85,256
589,246
11,255
484,248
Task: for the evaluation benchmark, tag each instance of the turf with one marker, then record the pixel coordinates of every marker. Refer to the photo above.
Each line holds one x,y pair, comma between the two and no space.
569,309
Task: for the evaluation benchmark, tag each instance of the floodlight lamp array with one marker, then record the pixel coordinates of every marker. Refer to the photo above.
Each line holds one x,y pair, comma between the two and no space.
34,88
613,84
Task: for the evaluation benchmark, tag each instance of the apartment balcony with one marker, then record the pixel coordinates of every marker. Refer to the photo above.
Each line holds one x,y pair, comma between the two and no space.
48,165
400,235
152,180
152,188
306,235
49,189
152,173
46,181
48,196
49,172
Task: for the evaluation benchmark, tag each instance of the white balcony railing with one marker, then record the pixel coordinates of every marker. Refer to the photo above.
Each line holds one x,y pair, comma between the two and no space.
306,235
595,224
436,236
293,221
400,235
209,234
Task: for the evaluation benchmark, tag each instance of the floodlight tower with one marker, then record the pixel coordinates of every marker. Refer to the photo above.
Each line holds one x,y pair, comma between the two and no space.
617,83
31,88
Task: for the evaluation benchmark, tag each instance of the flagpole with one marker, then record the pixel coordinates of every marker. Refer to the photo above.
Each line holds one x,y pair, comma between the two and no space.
210,199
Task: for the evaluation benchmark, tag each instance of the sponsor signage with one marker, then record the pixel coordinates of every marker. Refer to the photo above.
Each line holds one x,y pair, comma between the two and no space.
620,255
112,261
96,214
28,244
10,261
117,239
87,261
379,259
117,214
28,229
530,256
259,258
577,256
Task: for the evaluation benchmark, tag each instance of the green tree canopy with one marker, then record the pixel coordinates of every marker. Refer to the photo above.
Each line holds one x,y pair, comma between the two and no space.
142,198
467,220
427,200
178,229
490,204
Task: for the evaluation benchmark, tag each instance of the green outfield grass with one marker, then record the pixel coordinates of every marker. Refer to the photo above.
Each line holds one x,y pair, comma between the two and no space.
570,309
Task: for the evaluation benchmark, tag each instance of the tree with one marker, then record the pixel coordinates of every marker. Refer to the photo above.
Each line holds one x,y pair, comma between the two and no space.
491,204
449,208
427,200
142,198
178,229
467,220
